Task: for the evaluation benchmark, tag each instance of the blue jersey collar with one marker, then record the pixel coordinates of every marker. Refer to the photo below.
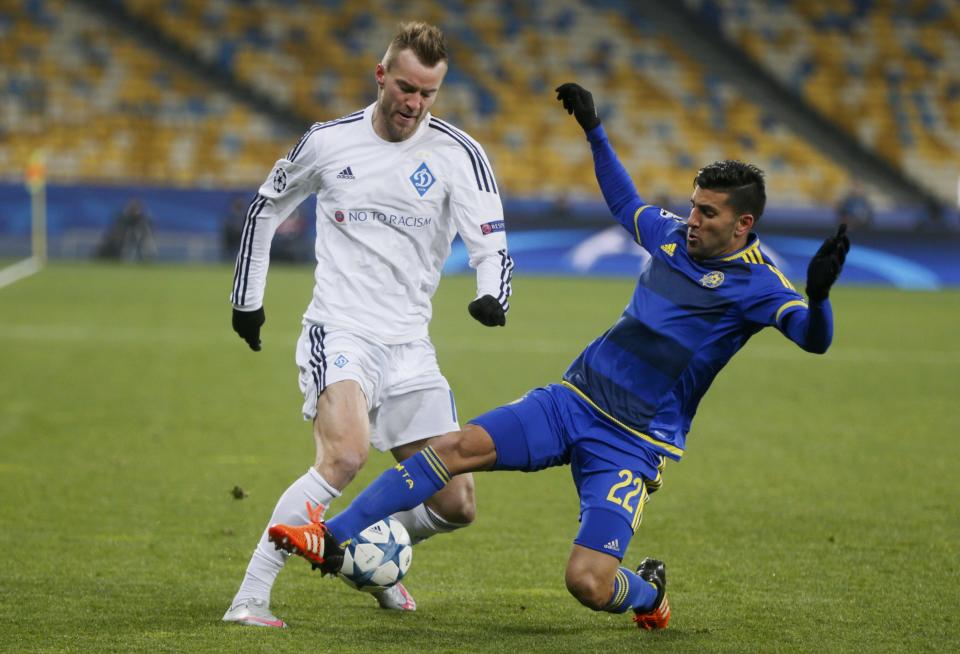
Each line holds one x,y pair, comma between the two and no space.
749,253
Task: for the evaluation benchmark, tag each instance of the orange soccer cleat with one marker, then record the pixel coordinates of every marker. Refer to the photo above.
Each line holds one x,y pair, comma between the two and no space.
658,617
312,541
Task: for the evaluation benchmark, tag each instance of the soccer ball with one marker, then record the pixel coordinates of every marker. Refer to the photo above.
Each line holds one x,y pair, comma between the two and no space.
377,557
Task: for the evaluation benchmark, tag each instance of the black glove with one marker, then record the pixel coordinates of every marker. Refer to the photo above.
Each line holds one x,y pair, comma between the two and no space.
247,324
579,102
826,264
487,310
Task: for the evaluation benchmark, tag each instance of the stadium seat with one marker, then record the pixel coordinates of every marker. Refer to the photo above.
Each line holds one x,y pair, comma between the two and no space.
107,108
145,119
898,65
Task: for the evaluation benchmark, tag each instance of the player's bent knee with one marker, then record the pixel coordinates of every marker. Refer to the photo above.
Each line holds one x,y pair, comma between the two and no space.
339,465
590,590
589,577
349,460
459,514
456,503
465,513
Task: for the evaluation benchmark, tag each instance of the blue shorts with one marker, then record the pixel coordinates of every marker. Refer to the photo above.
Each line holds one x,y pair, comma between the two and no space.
613,470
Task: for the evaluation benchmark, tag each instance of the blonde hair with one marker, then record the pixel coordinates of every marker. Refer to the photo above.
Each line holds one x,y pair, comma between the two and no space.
426,41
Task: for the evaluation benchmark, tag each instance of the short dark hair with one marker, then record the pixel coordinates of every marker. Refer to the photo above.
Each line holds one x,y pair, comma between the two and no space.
742,182
426,41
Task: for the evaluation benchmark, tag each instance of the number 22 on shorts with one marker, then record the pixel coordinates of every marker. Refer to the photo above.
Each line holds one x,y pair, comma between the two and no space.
624,493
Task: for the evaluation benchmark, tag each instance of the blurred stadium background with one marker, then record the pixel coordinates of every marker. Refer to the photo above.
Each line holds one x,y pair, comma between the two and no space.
180,107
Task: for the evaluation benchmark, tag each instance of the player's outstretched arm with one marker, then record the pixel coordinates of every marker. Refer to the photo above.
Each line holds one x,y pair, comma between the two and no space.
826,264
578,102
618,189
813,329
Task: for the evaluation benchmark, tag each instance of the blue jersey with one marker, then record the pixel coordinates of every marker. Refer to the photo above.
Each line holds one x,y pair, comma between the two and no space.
684,322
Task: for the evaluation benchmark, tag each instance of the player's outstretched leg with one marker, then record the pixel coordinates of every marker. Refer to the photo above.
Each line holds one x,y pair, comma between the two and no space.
253,613
312,541
658,617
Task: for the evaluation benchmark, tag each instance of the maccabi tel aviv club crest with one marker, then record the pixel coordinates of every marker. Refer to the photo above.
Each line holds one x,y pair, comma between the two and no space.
712,279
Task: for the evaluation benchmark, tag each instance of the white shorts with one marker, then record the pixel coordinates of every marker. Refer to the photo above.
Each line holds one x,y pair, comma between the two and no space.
407,397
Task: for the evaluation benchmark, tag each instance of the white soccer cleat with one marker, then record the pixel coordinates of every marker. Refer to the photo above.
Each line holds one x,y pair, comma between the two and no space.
396,598
253,613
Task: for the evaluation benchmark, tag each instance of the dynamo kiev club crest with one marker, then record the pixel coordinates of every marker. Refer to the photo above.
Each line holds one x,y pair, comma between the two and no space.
712,279
422,179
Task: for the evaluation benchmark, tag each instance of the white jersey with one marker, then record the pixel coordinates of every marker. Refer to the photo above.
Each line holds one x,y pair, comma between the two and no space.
386,216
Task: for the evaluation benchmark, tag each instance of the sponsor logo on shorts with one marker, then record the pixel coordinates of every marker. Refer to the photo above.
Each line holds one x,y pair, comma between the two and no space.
341,361
613,545
491,227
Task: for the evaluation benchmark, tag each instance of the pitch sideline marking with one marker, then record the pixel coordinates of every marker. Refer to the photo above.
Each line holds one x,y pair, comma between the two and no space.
19,270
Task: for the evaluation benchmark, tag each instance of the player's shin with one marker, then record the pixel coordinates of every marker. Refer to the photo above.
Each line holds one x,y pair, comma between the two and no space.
609,533
630,591
400,488
267,561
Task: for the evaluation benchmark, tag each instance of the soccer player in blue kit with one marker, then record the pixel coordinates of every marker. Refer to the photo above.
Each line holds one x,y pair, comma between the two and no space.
626,403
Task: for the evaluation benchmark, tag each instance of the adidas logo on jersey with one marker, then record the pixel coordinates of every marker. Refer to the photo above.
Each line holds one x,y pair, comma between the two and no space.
613,545
346,173
669,248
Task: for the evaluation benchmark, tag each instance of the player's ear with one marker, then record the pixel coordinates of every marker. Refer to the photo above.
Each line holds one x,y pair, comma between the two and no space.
745,223
380,73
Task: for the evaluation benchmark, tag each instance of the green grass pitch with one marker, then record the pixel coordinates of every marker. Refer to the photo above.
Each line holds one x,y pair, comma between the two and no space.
816,509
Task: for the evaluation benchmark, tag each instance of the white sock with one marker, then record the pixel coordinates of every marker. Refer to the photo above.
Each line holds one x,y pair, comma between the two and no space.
422,523
267,561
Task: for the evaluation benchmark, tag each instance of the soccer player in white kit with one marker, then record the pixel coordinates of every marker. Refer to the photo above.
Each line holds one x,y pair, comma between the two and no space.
394,185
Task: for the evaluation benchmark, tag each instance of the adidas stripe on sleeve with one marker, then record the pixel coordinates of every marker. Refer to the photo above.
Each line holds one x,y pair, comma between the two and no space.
292,179
478,213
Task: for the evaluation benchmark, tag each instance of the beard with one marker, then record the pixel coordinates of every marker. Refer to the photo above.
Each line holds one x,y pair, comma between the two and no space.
398,130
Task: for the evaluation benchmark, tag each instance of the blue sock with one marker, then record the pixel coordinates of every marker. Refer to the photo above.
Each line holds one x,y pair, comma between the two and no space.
402,487
630,591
